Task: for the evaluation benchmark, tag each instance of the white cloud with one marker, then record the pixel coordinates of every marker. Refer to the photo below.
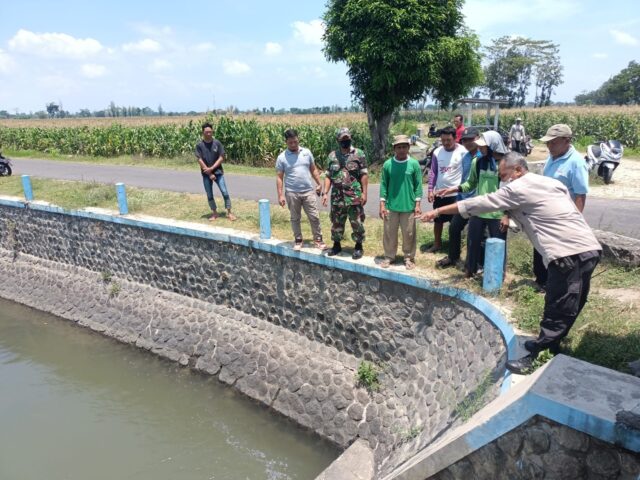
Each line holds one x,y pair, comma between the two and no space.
160,65
203,47
6,62
92,70
272,49
309,33
143,46
623,38
54,45
235,67
600,56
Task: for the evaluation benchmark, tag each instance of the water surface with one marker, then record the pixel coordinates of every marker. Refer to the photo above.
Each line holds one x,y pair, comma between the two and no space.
75,405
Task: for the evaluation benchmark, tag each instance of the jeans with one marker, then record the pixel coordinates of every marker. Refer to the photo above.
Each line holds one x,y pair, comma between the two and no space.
208,187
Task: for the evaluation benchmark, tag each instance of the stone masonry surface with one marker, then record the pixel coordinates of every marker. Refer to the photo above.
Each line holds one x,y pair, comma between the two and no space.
283,331
543,449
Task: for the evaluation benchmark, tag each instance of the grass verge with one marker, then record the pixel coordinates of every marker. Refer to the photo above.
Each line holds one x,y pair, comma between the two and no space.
606,333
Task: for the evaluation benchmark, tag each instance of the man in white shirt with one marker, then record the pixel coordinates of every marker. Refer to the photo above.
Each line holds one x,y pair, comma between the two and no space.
517,136
446,171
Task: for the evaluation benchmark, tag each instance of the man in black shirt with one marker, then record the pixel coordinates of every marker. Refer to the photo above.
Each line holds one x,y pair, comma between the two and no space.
210,155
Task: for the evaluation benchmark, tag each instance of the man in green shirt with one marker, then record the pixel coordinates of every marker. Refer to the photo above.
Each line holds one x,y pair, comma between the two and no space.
400,197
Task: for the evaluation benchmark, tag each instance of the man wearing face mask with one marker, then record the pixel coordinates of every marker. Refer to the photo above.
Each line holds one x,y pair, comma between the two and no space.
545,211
348,178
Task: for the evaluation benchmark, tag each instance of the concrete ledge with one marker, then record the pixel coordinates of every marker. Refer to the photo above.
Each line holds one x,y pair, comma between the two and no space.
620,250
356,463
568,391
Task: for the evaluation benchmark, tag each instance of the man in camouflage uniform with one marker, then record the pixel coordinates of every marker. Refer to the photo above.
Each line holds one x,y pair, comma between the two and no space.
348,179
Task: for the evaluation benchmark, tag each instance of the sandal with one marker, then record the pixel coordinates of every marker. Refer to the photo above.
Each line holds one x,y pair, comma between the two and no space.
213,217
298,244
231,217
445,262
318,243
385,263
409,264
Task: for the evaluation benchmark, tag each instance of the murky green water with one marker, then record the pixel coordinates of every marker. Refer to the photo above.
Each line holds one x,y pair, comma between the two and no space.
77,406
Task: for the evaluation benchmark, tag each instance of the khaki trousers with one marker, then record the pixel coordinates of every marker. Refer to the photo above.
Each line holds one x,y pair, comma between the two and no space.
307,200
407,224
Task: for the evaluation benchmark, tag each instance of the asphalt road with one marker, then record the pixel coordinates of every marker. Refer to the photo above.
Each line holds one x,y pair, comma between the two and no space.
618,216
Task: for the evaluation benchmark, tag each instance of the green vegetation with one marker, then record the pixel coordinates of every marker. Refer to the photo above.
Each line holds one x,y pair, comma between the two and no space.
106,276
468,407
247,141
542,358
606,333
114,290
367,376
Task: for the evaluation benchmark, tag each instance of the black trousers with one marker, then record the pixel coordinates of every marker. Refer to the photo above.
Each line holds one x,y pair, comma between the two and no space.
539,270
475,235
567,292
456,226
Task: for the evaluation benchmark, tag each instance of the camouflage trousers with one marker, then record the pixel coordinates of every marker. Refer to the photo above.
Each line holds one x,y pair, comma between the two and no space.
339,215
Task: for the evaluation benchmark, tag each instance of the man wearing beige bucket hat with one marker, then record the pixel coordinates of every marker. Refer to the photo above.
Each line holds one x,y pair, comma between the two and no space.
400,197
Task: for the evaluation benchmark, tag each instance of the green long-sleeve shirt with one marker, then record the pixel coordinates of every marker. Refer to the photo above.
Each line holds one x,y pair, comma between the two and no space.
401,184
484,180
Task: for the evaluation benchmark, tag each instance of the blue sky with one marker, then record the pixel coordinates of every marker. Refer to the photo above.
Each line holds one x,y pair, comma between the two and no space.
196,55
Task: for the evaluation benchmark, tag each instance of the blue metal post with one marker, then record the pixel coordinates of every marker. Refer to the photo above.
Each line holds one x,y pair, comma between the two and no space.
122,198
26,186
493,264
265,219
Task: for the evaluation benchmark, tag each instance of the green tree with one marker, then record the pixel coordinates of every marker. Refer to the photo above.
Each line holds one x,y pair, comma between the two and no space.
513,61
396,50
52,109
621,89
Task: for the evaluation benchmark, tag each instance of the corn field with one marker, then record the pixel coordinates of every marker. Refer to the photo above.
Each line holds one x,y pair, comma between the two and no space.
621,123
247,140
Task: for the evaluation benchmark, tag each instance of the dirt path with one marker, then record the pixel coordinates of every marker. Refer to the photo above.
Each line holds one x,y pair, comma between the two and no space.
626,179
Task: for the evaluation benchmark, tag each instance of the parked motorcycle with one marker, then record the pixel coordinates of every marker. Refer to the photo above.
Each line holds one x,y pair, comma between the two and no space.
425,163
604,157
524,147
5,166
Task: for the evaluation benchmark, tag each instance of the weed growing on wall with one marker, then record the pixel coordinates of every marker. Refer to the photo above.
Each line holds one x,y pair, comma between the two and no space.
367,376
473,402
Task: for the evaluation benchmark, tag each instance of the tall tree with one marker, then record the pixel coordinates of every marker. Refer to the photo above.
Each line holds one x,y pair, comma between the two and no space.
621,89
512,63
396,50
53,109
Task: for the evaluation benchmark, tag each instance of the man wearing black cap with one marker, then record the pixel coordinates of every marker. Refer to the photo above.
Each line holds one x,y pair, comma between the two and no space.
458,222
348,179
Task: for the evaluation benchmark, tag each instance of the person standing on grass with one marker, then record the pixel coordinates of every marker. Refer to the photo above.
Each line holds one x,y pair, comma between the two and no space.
348,178
566,165
446,171
295,168
457,224
483,179
210,155
400,197
458,123
557,229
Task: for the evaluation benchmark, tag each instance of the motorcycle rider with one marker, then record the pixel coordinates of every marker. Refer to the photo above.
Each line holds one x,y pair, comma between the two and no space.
566,165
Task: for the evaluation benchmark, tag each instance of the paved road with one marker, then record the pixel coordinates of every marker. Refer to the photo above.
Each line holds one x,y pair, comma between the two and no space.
619,216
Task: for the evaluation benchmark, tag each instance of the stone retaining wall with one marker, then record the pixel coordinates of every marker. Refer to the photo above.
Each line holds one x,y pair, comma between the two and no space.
287,332
545,449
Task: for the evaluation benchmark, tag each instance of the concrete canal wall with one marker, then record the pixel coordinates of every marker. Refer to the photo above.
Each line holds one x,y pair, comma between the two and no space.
286,328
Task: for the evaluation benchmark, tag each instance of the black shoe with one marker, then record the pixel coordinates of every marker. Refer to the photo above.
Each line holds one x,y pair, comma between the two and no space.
336,249
522,366
532,346
357,252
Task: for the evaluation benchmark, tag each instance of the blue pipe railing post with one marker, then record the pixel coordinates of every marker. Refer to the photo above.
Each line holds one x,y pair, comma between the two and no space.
265,219
121,193
493,264
26,186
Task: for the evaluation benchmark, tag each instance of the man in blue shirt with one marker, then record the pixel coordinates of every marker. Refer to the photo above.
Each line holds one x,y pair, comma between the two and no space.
457,224
566,165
